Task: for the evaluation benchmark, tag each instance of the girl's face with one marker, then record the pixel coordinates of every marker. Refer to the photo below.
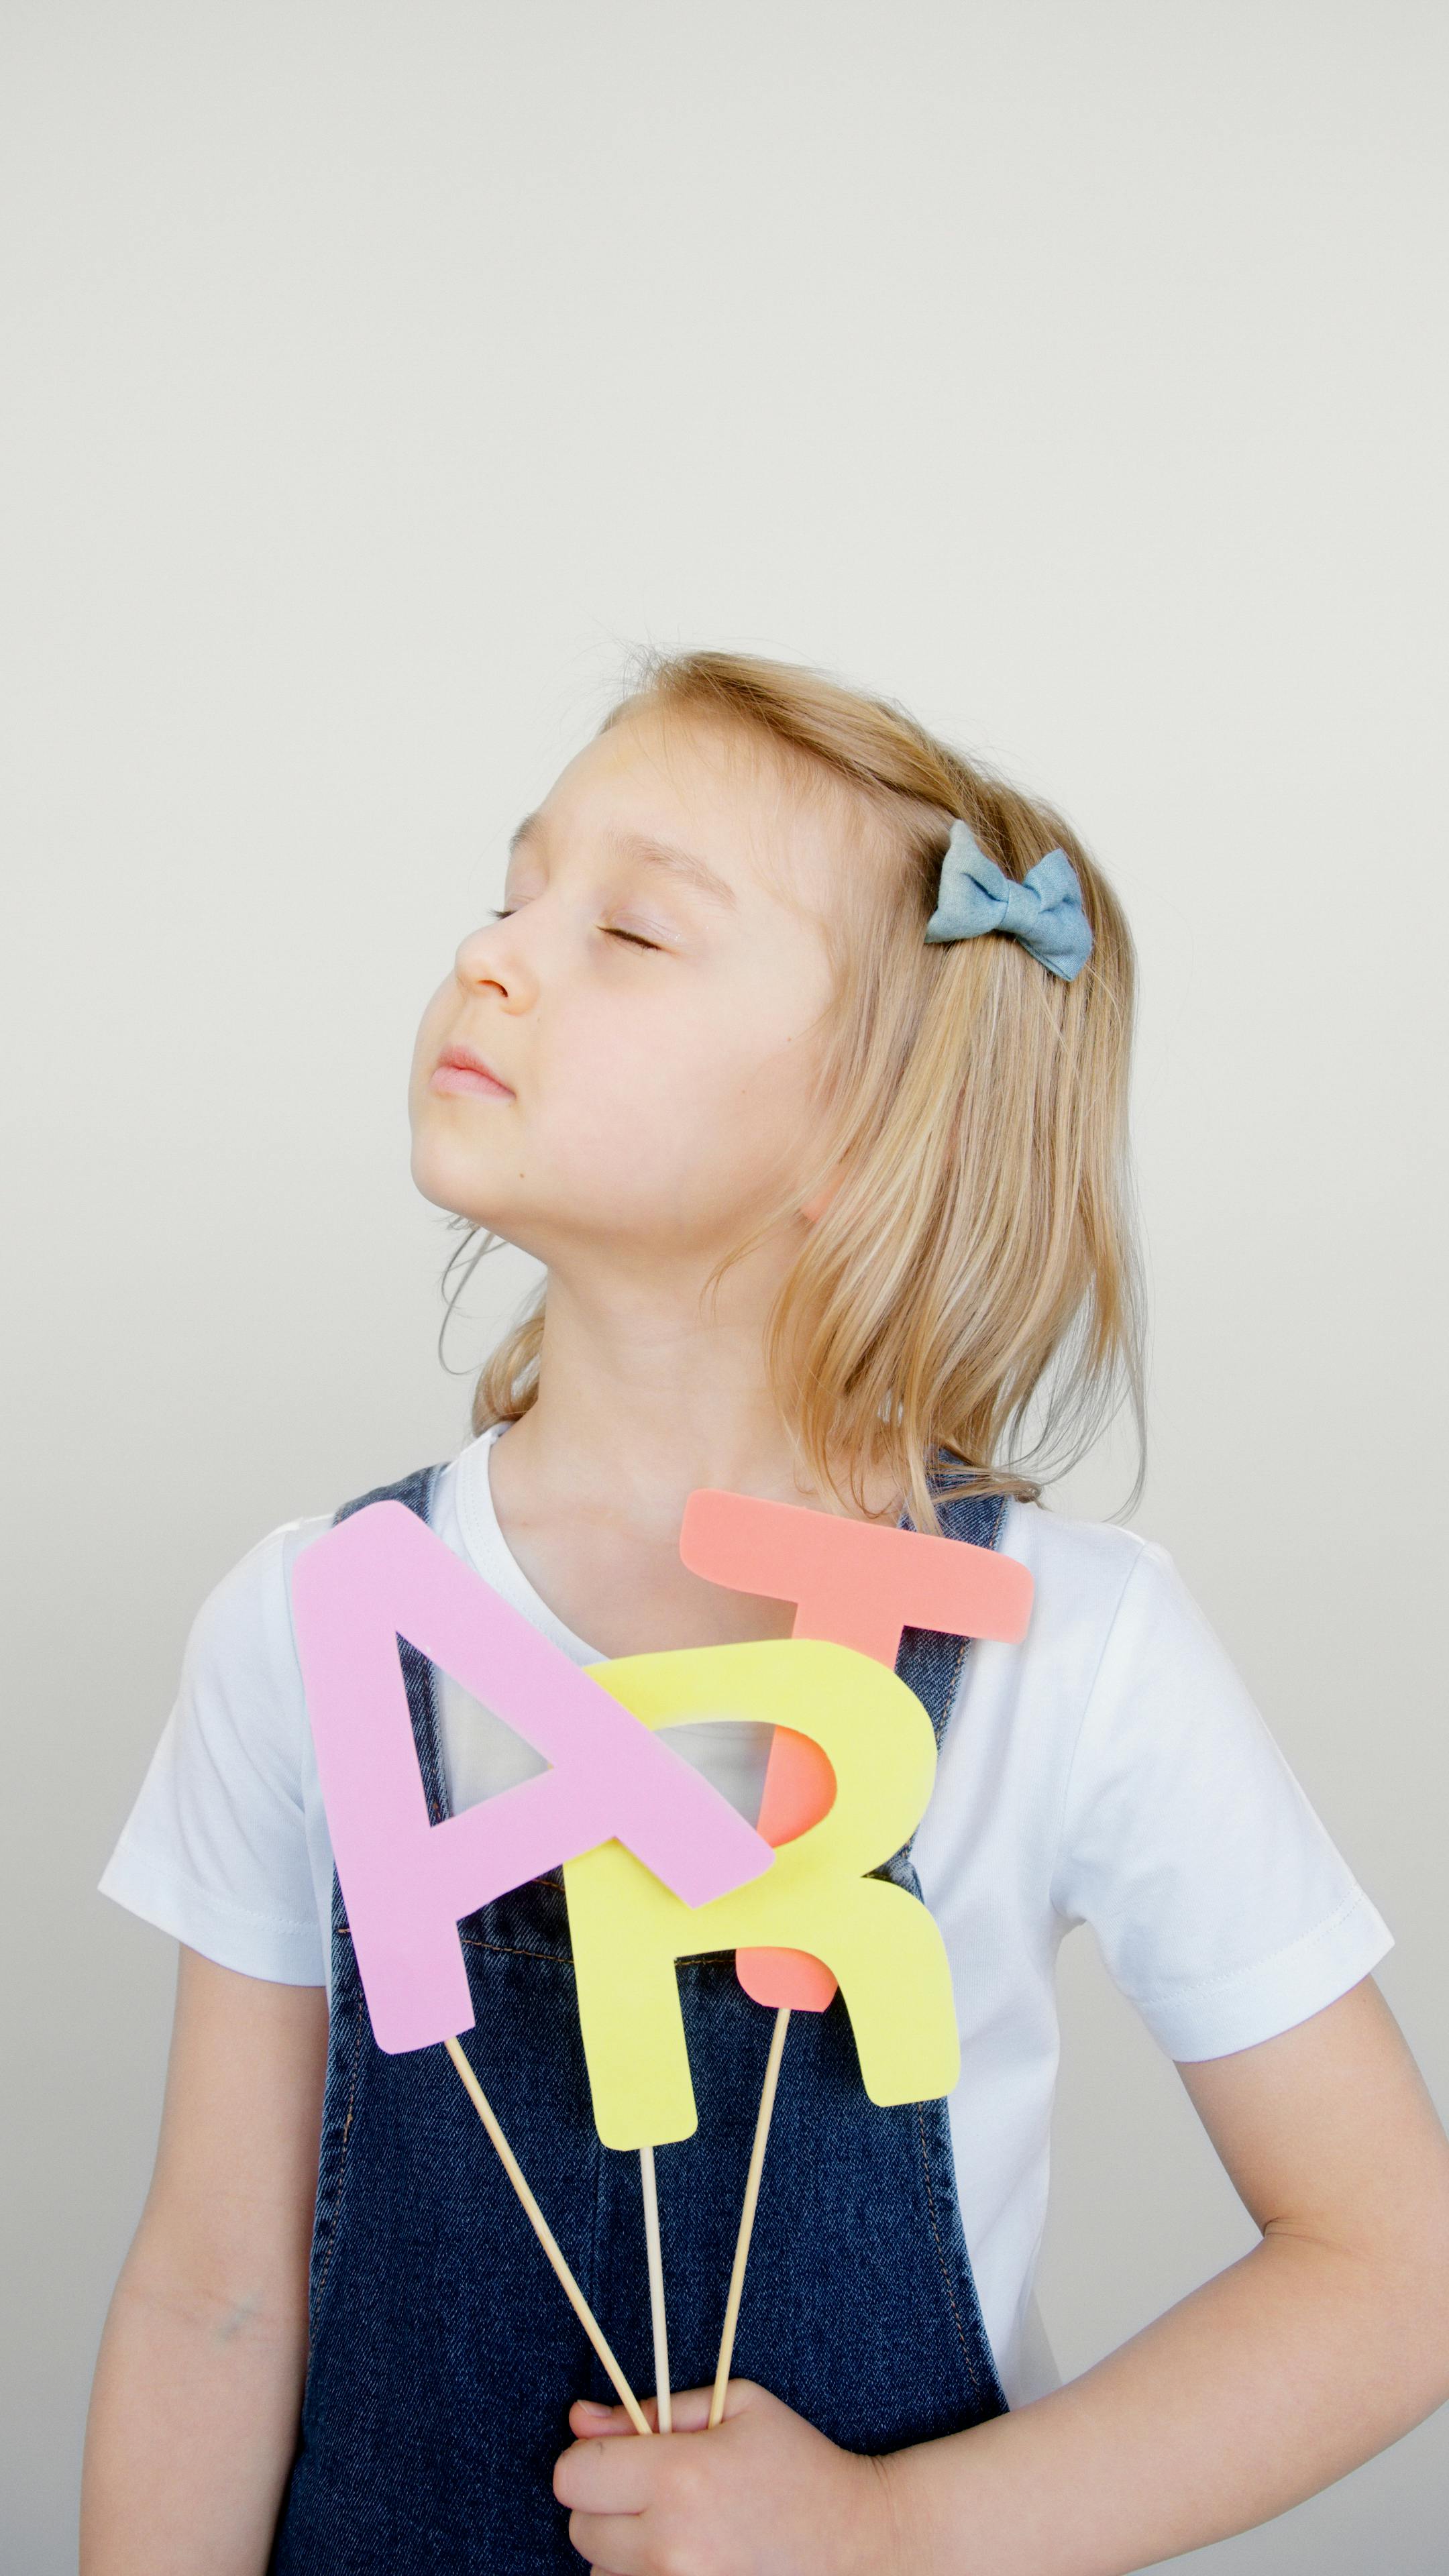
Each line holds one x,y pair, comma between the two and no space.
645,1008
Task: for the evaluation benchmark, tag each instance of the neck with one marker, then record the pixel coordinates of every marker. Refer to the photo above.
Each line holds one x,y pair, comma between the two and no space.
646,1392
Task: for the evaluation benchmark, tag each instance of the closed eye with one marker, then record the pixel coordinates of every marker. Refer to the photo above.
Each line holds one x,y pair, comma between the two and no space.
635,938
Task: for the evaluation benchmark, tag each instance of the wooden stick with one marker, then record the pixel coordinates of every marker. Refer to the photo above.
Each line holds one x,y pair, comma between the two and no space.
656,2289
747,2214
544,2233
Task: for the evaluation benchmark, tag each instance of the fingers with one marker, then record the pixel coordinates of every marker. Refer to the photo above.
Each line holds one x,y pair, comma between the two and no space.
692,2405
633,2505
691,2409
592,2421
605,2477
606,2544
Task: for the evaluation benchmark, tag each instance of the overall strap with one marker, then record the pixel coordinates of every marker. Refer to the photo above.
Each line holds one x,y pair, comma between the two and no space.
930,1662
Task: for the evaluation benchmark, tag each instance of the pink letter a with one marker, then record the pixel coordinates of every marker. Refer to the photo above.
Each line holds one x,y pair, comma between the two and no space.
406,1882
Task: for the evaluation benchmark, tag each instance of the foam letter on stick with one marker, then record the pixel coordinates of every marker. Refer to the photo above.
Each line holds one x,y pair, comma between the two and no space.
627,1930
861,1585
853,1581
406,1882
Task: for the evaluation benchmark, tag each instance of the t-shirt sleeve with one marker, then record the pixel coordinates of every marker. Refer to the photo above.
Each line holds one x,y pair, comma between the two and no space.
215,1848
1223,1909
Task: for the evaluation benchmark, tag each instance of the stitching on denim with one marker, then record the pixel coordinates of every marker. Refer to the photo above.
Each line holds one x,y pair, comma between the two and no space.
961,1646
972,2373
342,1930
342,2167
941,2250
510,1950
948,1702
598,2233
949,1699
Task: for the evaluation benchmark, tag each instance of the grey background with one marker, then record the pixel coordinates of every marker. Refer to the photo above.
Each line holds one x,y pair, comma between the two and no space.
375,376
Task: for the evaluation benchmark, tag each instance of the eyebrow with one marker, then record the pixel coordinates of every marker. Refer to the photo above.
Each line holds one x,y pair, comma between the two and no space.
643,845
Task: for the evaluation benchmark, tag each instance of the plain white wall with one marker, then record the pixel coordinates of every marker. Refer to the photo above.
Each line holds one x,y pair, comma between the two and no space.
375,376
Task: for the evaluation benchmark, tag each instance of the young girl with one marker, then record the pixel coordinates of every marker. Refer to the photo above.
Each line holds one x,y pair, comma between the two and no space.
797,1055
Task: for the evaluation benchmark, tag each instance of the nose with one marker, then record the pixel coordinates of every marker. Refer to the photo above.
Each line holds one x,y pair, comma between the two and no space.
488,955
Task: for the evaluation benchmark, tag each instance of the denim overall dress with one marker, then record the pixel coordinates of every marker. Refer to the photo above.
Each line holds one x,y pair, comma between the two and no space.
444,2356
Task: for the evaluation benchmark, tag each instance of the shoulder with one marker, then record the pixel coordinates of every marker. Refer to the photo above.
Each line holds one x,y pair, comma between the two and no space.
1030,1704
215,1849
245,1618
243,1624
1121,1671
1077,1560
241,1640
1091,1581
1102,1575
1112,1610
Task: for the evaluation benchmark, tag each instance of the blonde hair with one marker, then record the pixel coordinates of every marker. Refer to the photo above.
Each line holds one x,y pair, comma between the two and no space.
974,1276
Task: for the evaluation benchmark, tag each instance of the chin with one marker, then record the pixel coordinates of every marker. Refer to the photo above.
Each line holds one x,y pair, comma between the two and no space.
455,1183
449,1179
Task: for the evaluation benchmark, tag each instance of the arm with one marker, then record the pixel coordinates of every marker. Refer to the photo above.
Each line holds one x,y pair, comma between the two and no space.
1319,2348
1323,2345
193,2417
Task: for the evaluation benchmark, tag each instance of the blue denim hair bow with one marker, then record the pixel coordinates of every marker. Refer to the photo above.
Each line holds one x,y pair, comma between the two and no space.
1044,911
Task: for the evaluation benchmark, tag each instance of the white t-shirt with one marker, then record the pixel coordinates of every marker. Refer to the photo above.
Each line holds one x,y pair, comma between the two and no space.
1110,1770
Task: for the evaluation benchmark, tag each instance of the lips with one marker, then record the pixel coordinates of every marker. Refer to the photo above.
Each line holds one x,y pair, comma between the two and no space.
460,1069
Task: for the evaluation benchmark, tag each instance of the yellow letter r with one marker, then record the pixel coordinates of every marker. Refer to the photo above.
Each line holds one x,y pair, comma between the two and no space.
627,1930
